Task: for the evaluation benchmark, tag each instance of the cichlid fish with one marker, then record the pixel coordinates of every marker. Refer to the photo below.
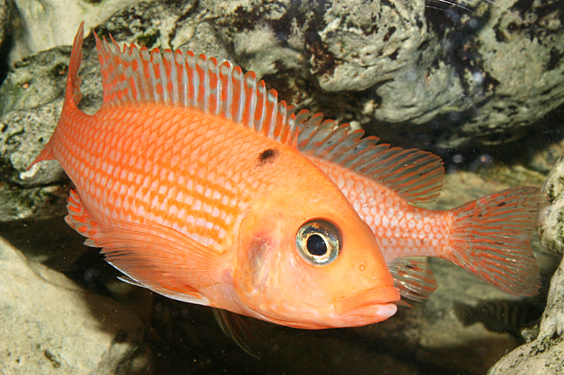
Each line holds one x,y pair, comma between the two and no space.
199,185
189,179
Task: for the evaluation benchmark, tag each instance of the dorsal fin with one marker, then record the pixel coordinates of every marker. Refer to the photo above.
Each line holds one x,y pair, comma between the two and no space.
134,76
414,174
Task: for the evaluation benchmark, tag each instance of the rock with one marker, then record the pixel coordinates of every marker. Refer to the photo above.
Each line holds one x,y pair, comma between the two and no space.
4,12
22,135
35,202
552,227
544,355
396,62
47,24
547,158
442,72
52,326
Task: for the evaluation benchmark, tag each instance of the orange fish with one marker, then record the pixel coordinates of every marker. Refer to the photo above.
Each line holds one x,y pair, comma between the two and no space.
189,179
201,186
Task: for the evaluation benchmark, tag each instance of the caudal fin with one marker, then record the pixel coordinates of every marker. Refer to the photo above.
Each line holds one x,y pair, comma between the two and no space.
72,94
491,235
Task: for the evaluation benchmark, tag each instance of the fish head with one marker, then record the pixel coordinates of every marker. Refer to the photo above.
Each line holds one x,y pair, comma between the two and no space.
312,263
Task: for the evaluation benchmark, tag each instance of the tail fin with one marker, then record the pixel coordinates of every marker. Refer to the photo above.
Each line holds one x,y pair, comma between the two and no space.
73,94
490,238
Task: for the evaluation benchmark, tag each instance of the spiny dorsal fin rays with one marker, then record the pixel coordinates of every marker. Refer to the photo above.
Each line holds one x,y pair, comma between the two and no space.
414,174
134,76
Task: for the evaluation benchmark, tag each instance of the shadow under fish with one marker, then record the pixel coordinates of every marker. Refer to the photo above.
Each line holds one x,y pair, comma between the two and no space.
501,316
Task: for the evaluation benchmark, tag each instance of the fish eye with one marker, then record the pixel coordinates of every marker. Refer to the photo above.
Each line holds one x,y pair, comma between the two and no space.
318,242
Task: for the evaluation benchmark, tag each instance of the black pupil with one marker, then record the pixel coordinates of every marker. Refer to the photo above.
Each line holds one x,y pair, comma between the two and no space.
316,245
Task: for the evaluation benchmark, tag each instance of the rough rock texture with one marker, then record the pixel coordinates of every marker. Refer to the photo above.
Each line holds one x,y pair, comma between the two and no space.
552,227
544,355
44,24
52,326
482,72
4,11
460,75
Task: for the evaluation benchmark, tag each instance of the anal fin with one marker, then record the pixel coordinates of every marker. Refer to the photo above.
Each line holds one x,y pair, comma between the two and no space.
413,277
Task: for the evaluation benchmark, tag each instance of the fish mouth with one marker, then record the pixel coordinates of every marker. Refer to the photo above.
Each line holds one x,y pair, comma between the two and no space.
378,302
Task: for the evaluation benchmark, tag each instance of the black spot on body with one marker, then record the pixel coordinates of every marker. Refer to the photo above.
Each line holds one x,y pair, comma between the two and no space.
267,156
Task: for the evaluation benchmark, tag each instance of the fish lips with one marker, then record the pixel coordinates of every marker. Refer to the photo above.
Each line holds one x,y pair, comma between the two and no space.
374,304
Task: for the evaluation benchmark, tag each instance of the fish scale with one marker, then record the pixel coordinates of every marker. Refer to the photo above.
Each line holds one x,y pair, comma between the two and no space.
194,156
402,230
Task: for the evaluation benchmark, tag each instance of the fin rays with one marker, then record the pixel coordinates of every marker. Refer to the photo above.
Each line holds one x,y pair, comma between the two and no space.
136,76
491,239
414,174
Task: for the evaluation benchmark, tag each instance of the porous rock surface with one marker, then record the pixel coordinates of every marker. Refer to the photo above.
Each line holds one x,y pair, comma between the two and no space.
484,72
552,226
44,24
545,354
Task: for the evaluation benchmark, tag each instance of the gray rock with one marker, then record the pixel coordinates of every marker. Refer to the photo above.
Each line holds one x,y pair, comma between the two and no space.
22,135
544,355
47,24
4,12
35,81
552,227
35,202
483,73
52,326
